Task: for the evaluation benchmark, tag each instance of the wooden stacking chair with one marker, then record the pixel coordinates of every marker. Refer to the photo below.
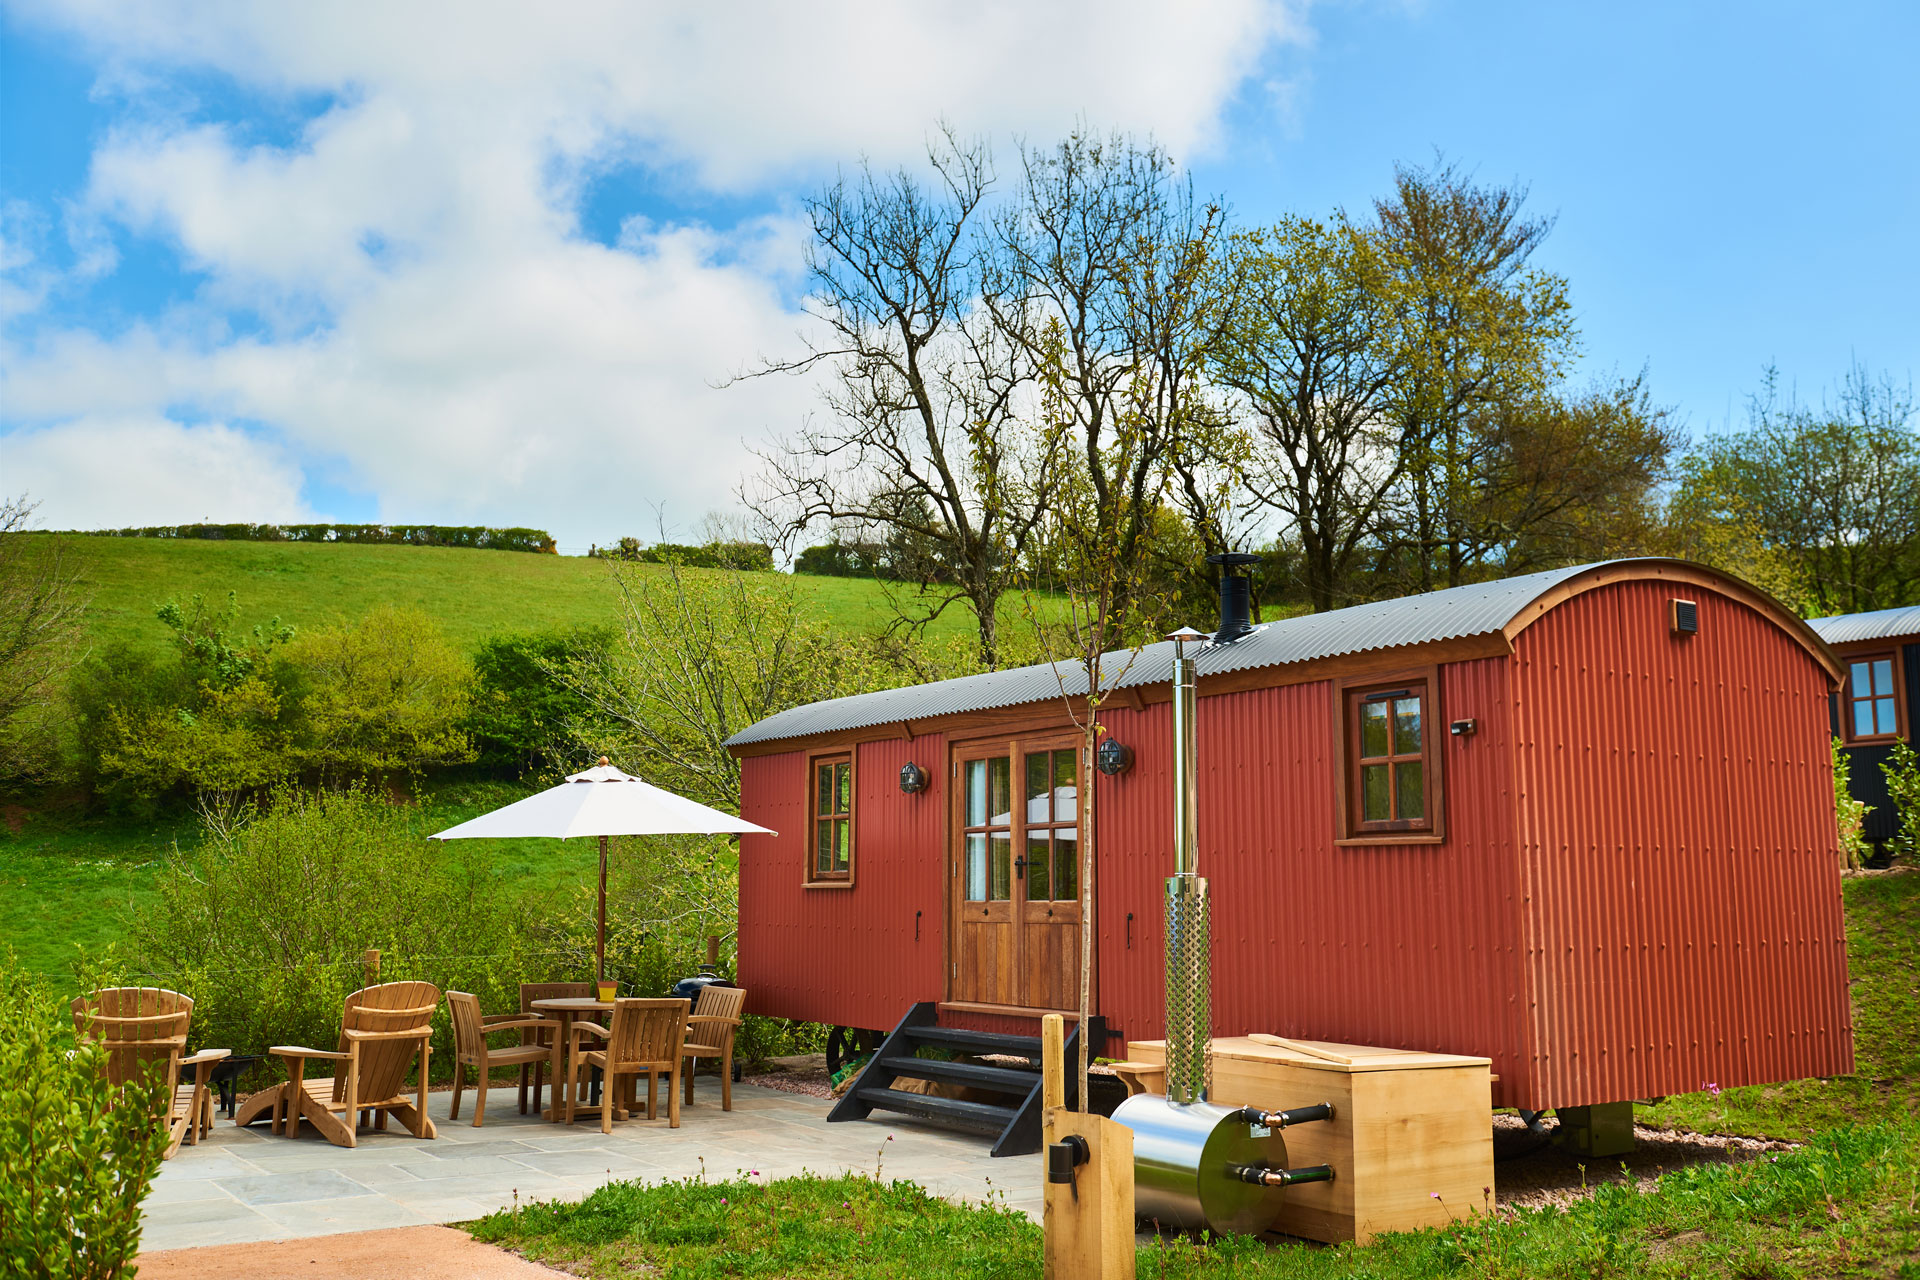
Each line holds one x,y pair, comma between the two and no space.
648,1038
142,1026
710,1031
529,992
382,1029
470,1049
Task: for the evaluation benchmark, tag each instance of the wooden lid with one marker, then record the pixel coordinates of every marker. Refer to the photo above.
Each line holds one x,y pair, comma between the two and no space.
1362,1057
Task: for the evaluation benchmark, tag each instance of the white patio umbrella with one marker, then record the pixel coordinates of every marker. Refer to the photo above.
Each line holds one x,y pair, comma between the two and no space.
601,802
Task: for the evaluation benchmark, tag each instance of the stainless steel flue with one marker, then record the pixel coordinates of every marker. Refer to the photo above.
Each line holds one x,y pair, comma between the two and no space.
1189,910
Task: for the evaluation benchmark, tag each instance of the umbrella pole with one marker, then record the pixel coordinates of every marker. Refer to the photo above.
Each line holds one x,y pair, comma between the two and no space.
600,936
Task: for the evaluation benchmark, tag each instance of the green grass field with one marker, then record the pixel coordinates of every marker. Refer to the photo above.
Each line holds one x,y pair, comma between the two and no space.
1842,1205
473,594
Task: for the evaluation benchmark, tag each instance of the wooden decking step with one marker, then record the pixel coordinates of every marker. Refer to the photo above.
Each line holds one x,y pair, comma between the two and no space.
964,1041
980,1116
979,1075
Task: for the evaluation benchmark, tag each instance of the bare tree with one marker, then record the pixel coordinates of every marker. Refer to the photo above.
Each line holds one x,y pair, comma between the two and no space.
1110,285
41,616
924,436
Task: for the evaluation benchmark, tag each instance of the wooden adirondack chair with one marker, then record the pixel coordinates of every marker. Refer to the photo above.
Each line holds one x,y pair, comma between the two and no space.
529,992
141,1026
382,1028
470,1049
716,1016
648,1038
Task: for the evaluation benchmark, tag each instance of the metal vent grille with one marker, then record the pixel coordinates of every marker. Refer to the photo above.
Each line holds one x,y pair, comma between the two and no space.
1686,617
1189,990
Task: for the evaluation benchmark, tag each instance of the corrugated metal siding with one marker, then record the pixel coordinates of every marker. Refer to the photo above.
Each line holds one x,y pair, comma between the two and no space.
1408,946
1676,835
844,956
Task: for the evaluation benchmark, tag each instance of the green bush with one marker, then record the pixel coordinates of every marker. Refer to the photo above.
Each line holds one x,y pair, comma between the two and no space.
1902,771
76,1155
521,707
382,696
416,535
233,712
266,923
1850,815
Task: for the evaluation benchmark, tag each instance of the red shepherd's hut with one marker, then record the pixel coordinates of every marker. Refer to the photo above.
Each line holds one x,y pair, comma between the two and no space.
1579,822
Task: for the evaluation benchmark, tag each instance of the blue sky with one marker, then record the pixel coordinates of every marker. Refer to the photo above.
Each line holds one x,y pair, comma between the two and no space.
460,265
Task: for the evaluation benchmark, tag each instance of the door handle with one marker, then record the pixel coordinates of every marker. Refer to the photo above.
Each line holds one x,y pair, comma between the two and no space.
1019,868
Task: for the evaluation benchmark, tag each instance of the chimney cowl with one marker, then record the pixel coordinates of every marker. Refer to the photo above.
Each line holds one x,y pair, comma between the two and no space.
1236,595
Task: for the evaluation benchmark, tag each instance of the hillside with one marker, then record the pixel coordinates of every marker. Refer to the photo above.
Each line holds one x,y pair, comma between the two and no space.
474,594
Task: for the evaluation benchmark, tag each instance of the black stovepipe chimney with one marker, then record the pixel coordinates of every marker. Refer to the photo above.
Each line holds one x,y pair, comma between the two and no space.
1236,596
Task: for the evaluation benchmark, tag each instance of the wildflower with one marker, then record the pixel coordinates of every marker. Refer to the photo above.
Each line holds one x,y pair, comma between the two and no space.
1434,1194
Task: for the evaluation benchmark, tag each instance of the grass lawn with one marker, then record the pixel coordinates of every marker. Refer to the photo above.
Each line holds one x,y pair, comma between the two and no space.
1843,1205
473,594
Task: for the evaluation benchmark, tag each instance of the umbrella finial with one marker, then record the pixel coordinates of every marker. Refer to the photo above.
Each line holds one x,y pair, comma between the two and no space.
603,762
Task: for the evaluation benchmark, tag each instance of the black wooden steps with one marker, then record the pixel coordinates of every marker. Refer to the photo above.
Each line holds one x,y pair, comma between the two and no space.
980,1075
964,1041
979,1116
1014,1124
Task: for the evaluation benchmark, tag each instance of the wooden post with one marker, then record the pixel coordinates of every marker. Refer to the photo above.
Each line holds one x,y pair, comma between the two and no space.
370,967
1053,1082
600,926
1088,1221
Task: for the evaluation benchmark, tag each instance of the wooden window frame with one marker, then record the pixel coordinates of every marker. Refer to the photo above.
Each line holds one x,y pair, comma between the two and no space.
1847,699
1348,692
811,877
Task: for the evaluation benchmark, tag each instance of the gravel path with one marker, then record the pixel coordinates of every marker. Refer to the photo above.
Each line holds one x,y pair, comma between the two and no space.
1528,1174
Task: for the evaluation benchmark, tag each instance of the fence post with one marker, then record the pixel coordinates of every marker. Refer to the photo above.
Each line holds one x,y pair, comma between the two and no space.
370,962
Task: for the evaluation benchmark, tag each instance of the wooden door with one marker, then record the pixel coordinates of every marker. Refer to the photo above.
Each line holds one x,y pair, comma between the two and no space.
1016,874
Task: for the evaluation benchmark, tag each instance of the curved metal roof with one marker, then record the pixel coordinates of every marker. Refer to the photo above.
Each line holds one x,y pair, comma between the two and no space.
1881,624
1477,609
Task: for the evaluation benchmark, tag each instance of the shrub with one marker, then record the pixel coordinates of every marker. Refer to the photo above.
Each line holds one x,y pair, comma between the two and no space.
76,1155
265,925
417,535
381,696
522,705
1902,771
1850,815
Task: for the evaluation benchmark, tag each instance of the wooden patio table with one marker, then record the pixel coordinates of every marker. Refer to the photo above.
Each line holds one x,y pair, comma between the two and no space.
565,1009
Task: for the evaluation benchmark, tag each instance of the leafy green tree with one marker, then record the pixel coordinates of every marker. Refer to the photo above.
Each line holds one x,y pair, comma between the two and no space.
382,696
700,655
1835,491
522,706
1315,346
1485,333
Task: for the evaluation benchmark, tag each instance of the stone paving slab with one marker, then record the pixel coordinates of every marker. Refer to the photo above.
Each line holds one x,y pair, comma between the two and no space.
239,1186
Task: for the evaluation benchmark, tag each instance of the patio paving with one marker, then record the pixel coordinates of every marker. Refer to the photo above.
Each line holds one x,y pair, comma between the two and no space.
239,1186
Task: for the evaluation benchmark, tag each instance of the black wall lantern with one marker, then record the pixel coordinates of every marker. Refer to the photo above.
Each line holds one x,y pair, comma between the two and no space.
1113,758
913,778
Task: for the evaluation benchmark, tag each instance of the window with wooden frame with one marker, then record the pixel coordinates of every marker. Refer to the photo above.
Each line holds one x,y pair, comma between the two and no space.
1871,704
1389,775
830,832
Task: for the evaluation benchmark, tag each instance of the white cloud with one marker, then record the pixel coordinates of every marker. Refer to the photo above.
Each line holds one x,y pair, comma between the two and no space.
117,472
430,320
